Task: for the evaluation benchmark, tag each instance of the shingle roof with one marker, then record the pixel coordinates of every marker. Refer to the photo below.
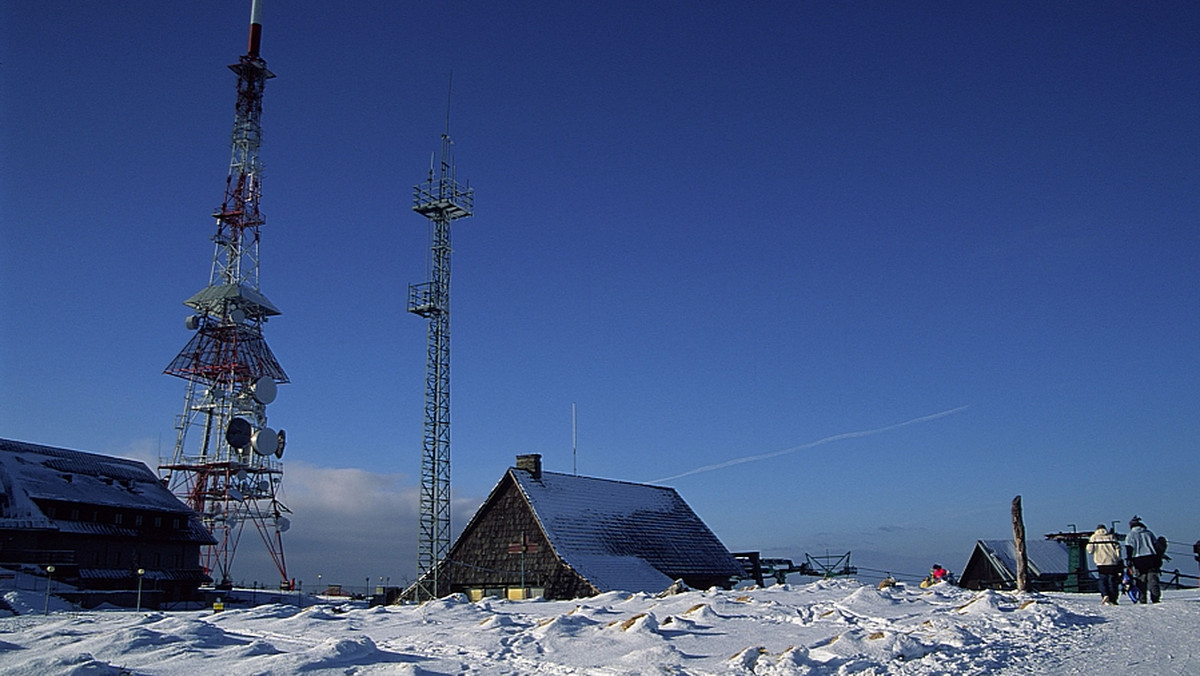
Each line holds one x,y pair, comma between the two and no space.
621,535
30,472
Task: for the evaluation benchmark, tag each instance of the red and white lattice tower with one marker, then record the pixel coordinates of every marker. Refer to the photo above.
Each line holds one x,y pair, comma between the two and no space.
226,463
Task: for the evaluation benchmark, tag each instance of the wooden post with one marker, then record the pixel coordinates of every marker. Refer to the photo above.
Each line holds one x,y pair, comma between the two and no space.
1019,541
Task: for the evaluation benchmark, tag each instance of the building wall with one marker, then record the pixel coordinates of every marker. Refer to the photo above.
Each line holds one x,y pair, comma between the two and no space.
980,574
480,560
120,541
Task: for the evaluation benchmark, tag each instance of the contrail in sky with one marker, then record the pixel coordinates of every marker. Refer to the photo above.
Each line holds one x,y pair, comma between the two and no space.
811,444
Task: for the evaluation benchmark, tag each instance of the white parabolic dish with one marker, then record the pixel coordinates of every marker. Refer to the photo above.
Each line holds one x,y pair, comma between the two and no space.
265,390
265,441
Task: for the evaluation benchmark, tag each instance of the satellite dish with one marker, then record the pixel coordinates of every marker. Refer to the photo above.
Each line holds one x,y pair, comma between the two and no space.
264,486
238,433
264,390
241,475
235,494
283,524
266,441
237,316
282,443
192,322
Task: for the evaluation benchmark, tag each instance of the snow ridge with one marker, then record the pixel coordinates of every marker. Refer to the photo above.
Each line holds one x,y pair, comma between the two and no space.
828,627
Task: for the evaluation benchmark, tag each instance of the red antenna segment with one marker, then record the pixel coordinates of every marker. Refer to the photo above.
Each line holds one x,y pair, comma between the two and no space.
255,27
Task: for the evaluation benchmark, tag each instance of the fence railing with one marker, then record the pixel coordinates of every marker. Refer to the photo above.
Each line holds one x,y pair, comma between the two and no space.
1172,580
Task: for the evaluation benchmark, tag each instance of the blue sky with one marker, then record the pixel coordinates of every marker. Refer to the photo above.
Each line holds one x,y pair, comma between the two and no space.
720,230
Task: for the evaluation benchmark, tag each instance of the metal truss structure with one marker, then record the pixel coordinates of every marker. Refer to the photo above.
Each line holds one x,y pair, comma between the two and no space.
226,464
441,199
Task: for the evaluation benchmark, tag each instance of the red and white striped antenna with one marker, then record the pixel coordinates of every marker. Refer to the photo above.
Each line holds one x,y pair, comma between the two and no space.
255,27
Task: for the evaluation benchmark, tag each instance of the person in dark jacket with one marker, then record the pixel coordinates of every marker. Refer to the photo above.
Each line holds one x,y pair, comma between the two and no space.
1106,552
1145,559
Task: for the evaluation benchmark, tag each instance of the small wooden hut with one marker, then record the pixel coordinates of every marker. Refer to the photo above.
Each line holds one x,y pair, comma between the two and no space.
993,565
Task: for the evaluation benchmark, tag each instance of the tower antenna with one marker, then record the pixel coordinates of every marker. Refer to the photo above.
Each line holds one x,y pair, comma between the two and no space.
230,472
441,199
449,94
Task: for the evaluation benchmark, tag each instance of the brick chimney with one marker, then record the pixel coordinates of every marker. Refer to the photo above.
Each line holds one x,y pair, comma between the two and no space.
531,463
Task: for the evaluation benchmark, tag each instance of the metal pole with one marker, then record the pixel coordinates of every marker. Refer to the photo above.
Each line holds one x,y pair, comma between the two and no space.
49,581
141,572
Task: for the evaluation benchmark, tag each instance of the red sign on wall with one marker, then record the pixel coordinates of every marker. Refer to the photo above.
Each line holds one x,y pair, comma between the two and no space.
523,546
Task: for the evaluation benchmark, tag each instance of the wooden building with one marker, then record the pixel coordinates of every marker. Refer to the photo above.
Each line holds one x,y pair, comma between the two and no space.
97,520
564,536
993,565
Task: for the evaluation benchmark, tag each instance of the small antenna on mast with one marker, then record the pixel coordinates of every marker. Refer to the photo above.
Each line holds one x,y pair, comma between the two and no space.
449,91
574,442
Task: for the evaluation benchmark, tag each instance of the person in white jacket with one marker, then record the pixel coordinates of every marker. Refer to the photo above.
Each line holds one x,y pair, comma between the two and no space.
1145,559
1106,552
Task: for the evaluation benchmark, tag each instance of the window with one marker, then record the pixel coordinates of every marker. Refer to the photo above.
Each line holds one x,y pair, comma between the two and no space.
158,522
74,514
117,518
137,520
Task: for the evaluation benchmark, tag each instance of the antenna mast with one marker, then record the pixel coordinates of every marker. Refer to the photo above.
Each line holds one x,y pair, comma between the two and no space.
440,199
230,473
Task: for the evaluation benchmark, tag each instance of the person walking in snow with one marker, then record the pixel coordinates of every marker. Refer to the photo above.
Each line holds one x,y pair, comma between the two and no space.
1106,552
1145,559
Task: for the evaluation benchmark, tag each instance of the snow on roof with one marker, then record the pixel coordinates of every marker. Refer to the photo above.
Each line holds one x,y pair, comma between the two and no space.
31,472
623,536
625,573
252,301
1046,557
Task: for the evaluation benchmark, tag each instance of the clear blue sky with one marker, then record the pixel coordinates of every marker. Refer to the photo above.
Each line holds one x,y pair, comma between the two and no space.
721,230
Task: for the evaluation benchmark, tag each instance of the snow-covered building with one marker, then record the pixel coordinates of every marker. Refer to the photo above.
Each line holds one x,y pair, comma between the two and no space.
993,565
565,536
97,520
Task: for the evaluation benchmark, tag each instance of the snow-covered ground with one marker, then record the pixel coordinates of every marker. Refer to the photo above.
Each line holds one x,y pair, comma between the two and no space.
827,627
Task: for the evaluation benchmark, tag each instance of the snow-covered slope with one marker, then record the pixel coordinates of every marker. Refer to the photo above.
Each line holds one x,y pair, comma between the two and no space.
828,627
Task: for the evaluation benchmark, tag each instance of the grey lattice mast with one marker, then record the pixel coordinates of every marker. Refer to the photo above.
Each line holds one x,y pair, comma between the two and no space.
226,463
441,199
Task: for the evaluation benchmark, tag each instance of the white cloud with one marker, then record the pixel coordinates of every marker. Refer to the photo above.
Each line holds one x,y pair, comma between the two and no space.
348,525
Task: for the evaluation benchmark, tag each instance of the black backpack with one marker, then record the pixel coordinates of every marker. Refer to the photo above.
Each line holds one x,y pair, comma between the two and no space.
1160,547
